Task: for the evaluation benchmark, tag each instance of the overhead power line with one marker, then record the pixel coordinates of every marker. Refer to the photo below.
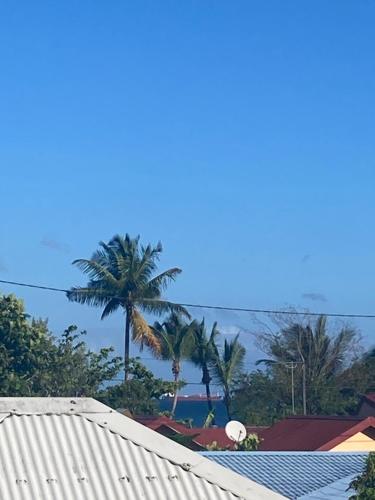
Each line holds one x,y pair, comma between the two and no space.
28,285
277,311
217,308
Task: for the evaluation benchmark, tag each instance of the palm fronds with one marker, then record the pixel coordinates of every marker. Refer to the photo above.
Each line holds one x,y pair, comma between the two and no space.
122,274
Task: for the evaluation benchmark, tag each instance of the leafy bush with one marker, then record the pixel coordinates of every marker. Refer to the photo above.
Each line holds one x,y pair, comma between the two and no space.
364,484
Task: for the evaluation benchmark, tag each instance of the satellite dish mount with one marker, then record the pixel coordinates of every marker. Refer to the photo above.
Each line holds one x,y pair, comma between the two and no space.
235,431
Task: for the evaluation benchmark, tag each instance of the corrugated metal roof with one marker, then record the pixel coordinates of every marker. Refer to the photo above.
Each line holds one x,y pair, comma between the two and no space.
295,474
63,449
339,490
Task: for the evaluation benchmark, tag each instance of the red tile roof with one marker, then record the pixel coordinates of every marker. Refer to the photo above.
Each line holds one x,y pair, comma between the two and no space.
155,422
312,433
204,437
217,434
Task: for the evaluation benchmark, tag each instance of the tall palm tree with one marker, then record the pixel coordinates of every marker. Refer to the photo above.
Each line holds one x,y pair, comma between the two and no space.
121,275
227,367
318,356
202,355
174,337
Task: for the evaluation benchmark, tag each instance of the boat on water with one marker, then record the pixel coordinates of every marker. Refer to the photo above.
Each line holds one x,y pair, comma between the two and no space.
193,397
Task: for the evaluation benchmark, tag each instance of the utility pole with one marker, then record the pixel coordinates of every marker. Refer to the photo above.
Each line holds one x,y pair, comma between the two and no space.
292,365
304,386
293,408
303,372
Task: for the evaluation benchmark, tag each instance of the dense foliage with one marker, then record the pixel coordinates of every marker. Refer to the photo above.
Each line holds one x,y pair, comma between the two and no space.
307,366
335,374
35,363
140,394
364,484
71,369
250,443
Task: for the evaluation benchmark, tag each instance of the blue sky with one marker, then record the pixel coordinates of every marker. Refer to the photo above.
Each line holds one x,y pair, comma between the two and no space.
240,134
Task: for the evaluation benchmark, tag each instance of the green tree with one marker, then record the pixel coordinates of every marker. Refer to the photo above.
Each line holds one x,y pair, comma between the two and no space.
357,379
34,363
202,354
227,368
319,359
23,344
140,394
250,443
70,368
259,399
364,484
174,338
121,275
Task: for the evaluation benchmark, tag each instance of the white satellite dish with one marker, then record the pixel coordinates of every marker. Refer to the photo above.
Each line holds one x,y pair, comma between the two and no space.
235,431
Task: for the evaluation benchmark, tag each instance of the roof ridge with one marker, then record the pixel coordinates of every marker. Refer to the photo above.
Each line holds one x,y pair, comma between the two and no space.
325,417
200,468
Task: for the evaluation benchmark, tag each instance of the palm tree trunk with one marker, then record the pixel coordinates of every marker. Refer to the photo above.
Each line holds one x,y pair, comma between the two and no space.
206,380
209,401
227,403
176,375
127,343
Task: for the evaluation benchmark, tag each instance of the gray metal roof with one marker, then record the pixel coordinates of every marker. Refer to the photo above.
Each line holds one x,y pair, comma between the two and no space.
297,475
64,448
338,490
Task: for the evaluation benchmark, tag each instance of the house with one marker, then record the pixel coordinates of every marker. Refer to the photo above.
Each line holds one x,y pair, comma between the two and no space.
201,437
317,433
367,406
297,475
172,429
218,435
78,448
155,422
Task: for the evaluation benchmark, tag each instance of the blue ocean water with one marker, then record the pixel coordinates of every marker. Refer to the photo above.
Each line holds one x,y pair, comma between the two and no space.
196,410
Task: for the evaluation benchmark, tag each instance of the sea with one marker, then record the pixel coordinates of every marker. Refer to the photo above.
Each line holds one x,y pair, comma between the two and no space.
196,410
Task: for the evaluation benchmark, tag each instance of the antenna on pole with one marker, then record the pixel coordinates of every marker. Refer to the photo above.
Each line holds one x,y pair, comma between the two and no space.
292,365
235,431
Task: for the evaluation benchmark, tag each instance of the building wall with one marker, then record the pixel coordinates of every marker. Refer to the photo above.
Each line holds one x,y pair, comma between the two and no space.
358,442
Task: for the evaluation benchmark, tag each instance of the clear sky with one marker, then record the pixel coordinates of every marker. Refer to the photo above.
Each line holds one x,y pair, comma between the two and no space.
240,134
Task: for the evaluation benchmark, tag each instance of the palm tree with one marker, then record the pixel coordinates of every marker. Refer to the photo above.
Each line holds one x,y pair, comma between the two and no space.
121,275
202,354
318,356
174,337
228,366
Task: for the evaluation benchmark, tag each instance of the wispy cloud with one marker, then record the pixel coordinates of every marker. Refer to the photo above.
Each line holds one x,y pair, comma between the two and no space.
56,245
229,330
316,297
306,258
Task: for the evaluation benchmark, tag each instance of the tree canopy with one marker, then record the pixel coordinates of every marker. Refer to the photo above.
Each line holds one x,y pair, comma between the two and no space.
122,275
364,484
139,394
306,361
227,367
309,357
175,337
202,354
